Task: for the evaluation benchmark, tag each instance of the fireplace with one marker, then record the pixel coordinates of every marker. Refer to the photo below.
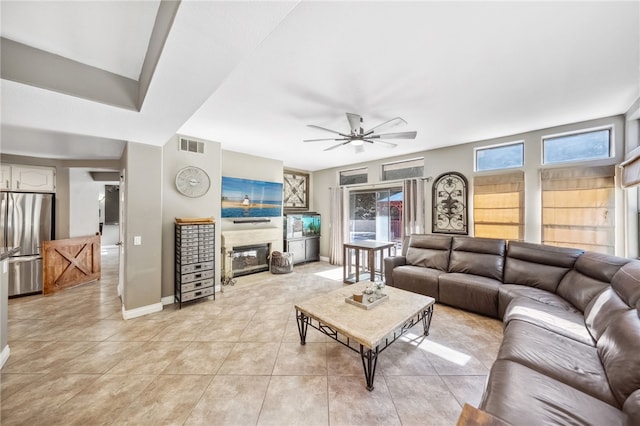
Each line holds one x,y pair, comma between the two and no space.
234,240
250,259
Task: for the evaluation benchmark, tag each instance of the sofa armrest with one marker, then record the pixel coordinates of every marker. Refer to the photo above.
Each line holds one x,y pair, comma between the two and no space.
389,264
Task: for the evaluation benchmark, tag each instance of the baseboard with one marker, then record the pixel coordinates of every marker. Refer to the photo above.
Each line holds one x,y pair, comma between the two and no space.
168,300
324,259
4,355
143,310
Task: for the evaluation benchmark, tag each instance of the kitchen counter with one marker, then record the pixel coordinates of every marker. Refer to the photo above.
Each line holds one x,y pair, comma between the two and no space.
6,252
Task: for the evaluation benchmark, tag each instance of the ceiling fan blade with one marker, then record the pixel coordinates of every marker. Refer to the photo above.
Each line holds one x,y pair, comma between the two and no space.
389,144
354,122
326,130
336,146
319,140
389,123
400,135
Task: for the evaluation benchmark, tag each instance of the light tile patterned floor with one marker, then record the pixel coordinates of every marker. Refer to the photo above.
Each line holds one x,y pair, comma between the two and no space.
233,361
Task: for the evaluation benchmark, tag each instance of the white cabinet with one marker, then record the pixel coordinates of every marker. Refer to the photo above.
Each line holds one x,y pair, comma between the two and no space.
5,183
28,178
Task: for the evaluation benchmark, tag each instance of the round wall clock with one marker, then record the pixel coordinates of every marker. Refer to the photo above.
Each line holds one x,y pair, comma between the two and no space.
192,182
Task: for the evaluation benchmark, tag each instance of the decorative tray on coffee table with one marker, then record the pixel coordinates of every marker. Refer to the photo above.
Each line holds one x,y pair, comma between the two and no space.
366,304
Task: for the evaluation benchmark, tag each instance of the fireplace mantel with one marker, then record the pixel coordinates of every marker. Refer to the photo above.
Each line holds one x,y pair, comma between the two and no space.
247,237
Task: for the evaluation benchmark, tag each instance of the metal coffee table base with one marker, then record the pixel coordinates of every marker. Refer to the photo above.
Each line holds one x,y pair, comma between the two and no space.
369,355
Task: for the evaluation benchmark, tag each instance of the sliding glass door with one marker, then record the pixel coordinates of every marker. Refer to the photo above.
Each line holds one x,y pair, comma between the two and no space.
376,215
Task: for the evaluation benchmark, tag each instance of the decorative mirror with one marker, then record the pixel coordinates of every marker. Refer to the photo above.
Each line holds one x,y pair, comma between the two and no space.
450,204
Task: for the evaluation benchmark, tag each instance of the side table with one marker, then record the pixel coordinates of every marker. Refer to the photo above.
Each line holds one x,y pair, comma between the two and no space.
370,247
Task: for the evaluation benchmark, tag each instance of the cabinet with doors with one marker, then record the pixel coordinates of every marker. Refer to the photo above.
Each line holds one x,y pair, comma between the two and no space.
5,182
195,261
302,236
28,178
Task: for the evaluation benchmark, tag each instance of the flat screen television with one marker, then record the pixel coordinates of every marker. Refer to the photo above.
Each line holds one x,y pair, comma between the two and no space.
250,198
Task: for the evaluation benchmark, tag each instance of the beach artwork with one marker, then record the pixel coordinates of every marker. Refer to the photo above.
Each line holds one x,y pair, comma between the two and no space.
250,198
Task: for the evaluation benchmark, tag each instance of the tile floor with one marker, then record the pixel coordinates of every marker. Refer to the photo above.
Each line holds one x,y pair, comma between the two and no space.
233,361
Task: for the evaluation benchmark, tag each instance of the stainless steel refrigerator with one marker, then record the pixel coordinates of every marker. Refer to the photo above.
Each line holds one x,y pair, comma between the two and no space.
26,220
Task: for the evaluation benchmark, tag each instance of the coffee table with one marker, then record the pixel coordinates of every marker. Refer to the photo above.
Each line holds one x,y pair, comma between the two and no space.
366,331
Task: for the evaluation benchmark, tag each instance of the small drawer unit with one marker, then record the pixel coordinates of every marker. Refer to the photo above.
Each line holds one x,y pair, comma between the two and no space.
195,261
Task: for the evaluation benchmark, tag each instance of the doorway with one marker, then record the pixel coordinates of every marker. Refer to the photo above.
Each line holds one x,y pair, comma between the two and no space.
376,215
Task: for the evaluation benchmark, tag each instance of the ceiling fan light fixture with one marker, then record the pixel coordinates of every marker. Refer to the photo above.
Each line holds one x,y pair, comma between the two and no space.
357,142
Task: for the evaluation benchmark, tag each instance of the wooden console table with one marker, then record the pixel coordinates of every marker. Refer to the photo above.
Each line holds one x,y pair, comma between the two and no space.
370,247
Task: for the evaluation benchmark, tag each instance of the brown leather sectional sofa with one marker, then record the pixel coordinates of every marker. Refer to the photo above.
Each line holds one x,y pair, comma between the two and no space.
571,347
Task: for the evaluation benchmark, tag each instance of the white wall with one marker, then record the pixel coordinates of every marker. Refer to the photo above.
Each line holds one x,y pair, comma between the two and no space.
84,203
460,158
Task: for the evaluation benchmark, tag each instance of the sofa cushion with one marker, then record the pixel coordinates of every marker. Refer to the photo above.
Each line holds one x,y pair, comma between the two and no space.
522,396
478,256
469,292
538,265
417,279
602,310
553,318
626,282
508,292
591,274
429,251
631,409
619,350
556,356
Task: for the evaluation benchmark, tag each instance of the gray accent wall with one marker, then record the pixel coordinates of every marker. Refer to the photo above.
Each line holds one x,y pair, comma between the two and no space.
460,158
143,217
175,204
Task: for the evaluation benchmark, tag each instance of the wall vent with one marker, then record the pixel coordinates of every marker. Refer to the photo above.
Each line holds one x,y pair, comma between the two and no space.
191,146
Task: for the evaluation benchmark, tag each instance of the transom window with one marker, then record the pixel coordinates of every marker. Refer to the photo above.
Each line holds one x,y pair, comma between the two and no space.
500,157
403,169
354,176
590,145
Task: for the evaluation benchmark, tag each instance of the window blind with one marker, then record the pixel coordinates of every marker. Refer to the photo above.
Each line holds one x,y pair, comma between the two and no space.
578,208
631,172
498,206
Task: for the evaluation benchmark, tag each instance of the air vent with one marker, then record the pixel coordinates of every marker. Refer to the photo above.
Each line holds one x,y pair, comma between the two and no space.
191,146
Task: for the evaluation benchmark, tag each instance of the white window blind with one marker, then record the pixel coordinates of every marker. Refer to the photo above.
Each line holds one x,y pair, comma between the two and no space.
578,208
498,206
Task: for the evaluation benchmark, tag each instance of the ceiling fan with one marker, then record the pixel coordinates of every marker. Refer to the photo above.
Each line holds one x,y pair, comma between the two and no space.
358,136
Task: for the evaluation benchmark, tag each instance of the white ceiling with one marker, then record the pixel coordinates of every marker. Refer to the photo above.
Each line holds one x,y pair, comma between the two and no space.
251,75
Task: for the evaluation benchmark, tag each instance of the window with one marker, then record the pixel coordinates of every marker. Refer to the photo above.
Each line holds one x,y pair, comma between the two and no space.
350,177
500,157
376,215
591,145
578,208
498,206
403,169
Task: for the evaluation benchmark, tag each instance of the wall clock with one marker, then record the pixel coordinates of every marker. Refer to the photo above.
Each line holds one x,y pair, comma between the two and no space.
192,182
295,190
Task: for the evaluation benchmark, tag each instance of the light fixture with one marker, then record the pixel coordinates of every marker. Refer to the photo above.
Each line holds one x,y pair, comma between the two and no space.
357,142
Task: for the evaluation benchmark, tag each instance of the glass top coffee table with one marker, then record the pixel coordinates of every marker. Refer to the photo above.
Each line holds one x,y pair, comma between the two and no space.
366,331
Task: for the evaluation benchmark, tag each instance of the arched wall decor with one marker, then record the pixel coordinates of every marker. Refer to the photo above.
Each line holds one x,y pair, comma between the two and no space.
450,204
